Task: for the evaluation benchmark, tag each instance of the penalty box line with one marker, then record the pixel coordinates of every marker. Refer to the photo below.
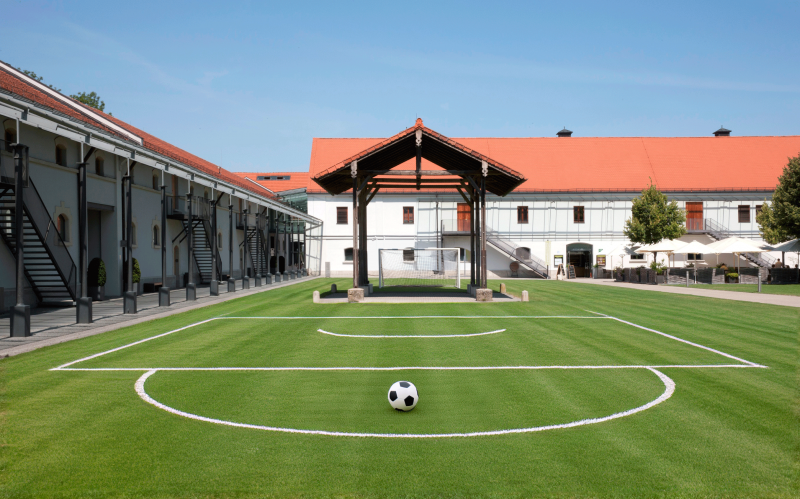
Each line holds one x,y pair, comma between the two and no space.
90,357
698,345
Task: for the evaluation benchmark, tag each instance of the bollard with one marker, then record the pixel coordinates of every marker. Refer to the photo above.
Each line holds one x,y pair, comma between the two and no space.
687,278
524,296
503,287
759,281
315,297
333,288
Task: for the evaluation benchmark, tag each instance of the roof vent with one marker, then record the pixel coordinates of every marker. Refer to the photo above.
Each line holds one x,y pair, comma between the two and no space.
722,132
564,132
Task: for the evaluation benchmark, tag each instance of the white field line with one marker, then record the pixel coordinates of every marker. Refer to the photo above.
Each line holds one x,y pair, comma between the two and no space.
130,344
752,364
668,384
409,335
407,368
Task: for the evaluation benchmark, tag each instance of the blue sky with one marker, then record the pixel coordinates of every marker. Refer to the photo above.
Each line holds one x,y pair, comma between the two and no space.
248,85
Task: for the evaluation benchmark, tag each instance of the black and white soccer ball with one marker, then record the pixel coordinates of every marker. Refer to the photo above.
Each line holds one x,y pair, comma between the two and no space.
403,396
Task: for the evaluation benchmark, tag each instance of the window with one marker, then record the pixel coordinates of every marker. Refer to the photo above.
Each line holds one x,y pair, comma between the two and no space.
156,236
462,254
341,216
155,180
348,254
523,253
577,214
99,166
694,256
61,227
637,257
61,155
408,214
744,213
408,255
522,214
273,177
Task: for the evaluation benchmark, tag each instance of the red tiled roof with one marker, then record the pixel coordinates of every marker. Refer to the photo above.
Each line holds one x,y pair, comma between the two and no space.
297,180
21,88
611,163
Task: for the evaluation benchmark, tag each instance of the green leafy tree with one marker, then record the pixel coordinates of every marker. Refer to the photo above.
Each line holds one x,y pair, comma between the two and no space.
781,221
38,78
90,99
654,218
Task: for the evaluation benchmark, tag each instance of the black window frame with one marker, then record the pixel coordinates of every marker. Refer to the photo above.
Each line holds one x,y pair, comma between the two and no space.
520,211
744,212
351,254
339,211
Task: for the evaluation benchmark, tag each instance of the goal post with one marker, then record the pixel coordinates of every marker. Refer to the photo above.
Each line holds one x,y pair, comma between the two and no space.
429,267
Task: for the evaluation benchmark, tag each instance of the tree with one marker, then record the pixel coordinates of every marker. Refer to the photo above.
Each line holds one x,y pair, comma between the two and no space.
90,99
781,221
38,78
654,218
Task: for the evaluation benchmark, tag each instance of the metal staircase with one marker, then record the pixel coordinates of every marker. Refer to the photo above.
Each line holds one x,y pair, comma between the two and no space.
202,238
719,232
509,248
48,265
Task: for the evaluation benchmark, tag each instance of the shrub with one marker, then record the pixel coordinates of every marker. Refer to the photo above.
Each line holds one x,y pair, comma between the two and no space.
658,267
137,273
732,275
97,273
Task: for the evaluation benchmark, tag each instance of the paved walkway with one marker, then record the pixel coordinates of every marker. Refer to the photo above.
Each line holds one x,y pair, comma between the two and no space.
57,325
388,297
784,300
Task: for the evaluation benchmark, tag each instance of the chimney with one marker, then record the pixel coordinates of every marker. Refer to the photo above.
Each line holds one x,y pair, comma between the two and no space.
722,132
564,133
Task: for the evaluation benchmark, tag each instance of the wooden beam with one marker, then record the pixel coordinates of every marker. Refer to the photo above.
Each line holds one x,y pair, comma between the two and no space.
414,186
413,173
375,191
463,195
424,180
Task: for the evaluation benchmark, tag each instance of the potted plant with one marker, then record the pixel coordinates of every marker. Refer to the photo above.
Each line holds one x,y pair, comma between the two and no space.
97,279
137,277
619,275
659,269
597,271
732,277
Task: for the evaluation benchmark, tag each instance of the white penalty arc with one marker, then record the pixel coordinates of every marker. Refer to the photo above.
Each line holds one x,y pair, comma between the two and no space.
409,335
669,389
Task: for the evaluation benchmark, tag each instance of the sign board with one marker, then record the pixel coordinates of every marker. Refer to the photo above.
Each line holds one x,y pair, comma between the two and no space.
572,272
601,260
558,260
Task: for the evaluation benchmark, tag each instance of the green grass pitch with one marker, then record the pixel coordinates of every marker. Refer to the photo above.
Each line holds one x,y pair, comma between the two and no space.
670,396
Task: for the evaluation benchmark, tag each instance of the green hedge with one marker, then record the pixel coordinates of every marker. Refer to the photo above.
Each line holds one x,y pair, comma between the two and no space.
97,272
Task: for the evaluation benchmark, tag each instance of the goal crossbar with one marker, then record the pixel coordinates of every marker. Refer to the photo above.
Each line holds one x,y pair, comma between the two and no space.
419,267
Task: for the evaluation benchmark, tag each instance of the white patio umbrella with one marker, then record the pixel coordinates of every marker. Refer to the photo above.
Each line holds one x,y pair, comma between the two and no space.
693,247
792,246
622,250
667,246
736,246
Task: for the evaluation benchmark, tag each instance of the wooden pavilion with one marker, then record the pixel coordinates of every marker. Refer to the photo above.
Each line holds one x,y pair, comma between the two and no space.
469,172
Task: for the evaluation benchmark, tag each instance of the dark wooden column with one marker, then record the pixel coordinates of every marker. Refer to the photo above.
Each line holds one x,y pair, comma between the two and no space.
129,301
268,242
231,226
21,313
83,310
245,277
163,291
354,174
362,238
214,287
472,236
483,232
191,287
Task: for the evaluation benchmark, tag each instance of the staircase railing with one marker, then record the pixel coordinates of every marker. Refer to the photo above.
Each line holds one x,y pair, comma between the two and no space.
201,208
212,239
53,243
719,232
532,262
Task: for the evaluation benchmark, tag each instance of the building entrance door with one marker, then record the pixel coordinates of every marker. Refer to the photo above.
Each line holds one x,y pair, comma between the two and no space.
694,216
464,217
580,256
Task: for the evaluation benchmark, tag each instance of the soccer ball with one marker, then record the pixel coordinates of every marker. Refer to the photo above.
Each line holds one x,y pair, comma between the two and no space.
403,396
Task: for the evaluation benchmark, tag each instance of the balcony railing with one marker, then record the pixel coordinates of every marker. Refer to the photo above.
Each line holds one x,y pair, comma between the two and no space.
176,207
462,226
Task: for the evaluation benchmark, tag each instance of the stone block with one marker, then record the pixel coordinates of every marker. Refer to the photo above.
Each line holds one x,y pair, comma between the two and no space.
315,297
333,288
268,279
231,285
83,311
163,297
525,296
355,295
129,302
503,287
483,294
20,321
191,291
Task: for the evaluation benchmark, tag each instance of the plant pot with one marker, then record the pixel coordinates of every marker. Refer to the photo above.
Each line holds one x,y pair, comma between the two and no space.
660,279
97,293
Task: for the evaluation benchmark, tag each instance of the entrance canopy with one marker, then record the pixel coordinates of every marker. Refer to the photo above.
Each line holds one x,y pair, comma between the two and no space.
457,161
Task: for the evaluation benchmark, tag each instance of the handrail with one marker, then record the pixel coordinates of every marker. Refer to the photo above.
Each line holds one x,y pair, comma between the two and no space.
533,262
719,232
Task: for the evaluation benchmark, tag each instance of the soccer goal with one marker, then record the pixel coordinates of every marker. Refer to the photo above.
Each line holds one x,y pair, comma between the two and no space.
419,267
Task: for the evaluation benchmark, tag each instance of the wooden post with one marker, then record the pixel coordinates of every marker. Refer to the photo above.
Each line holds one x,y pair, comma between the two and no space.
362,238
355,228
483,232
472,236
163,291
84,303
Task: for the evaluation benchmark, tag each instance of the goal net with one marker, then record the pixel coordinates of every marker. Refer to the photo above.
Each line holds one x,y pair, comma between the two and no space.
419,267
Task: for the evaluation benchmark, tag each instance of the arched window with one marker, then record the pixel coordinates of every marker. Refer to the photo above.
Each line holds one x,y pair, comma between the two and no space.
62,228
207,194
523,253
99,166
61,155
155,180
348,254
156,236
